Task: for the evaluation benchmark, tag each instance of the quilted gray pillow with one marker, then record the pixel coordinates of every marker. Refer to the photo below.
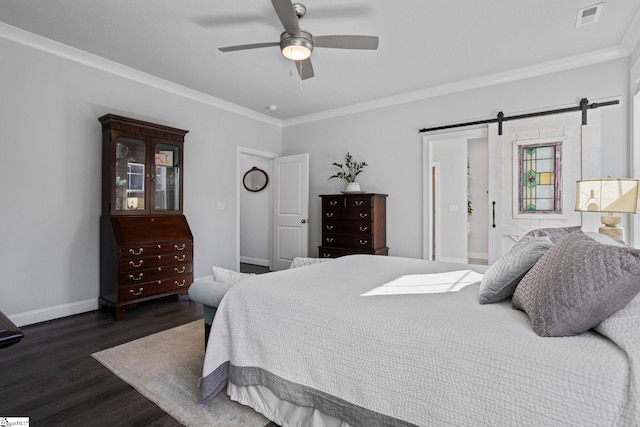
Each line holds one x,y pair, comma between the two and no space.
503,276
554,233
577,284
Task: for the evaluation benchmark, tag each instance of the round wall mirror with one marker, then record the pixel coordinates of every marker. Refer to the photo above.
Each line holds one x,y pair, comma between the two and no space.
255,179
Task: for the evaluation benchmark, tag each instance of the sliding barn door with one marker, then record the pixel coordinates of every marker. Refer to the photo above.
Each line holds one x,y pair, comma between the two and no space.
519,193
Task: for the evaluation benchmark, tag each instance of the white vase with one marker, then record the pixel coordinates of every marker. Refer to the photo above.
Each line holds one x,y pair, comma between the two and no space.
352,187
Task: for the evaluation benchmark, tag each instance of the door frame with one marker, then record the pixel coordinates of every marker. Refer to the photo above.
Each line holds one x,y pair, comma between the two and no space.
635,167
427,194
239,174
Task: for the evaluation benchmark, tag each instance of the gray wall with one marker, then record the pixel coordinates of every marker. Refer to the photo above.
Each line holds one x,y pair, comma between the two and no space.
50,146
388,139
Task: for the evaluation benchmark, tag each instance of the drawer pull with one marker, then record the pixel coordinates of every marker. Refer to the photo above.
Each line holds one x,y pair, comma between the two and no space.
365,228
364,215
136,264
132,292
138,252
180,270
132,277
180,284
182,258
363,242
333,202
329,227
329,214
359,202
180,248
326,255
329,239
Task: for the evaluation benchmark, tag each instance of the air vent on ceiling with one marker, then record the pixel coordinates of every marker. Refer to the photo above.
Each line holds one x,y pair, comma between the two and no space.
589,15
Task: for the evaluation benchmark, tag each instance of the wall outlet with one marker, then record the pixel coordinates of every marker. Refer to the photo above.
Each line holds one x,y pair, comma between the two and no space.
453,208
220,206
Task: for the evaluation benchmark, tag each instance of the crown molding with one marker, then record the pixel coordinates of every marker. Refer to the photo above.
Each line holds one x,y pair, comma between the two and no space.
61,50
590,58
632,36
34,41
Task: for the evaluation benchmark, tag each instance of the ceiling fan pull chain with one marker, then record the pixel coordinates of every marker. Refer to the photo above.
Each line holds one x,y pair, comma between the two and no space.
300,75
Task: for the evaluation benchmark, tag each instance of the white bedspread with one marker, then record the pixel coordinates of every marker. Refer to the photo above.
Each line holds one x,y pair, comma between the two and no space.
435,359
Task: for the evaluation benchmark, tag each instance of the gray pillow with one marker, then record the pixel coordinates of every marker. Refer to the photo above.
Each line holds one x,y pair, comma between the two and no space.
503,276
554,233
577,284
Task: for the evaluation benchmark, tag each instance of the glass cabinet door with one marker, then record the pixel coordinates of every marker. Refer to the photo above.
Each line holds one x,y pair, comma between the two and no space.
130,189
167,177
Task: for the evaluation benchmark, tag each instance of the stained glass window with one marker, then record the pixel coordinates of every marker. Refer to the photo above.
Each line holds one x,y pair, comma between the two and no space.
539,178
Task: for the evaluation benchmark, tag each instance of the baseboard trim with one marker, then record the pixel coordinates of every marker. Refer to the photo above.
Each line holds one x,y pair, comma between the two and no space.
479,255
55,312
458,260
254,261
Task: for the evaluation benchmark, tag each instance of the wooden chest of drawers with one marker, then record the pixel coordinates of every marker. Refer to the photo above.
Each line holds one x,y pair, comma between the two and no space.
144,258
353,224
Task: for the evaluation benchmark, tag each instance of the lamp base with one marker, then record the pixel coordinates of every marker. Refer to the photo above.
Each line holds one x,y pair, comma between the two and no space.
610,228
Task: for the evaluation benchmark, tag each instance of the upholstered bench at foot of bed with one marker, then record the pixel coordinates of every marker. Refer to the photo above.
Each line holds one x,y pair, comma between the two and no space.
208,292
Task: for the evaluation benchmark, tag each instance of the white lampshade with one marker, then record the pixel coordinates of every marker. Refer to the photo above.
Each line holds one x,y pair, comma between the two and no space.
607,195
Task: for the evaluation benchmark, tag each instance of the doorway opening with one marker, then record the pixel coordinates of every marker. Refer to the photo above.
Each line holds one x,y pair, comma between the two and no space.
254,213
455,200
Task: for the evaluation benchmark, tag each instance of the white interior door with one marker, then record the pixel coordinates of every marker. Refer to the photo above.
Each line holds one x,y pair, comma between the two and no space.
580,159
291,210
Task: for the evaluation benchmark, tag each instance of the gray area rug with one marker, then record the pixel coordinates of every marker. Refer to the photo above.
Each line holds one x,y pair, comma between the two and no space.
165,368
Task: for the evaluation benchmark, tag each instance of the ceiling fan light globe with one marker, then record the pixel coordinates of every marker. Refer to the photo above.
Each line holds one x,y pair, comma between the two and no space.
296,47
296,53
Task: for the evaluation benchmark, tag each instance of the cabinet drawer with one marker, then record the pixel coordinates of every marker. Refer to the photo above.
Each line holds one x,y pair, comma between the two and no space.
347,215
333,202
329,252
154,274
137,251
358,202
351,241
143,290
128,264
352,227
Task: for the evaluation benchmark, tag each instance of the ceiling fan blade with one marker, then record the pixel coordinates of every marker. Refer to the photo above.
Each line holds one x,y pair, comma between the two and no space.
247,46
305,69
346,42
286,14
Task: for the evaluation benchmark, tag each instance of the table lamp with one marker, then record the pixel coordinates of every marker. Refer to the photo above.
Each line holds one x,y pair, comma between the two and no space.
608,195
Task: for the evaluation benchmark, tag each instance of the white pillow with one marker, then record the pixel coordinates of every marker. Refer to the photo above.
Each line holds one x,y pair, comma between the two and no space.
603,238
302,261
228,276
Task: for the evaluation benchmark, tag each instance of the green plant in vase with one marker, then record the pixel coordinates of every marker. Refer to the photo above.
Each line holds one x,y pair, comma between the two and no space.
349,170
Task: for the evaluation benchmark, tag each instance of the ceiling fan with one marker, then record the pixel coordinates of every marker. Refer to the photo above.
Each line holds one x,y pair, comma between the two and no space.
297,44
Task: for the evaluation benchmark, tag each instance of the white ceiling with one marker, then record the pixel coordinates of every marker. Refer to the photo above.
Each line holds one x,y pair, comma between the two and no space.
424,44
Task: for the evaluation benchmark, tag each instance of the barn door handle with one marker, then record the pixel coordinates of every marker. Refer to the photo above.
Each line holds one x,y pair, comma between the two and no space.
494,213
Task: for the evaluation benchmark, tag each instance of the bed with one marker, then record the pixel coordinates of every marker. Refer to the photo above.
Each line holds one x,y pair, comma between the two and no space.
358,341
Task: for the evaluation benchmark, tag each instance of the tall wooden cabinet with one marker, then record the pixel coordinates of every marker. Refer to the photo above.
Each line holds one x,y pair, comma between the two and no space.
146,245
354,224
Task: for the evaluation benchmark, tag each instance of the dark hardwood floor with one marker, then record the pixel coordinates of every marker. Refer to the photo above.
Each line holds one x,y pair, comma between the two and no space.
51,378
